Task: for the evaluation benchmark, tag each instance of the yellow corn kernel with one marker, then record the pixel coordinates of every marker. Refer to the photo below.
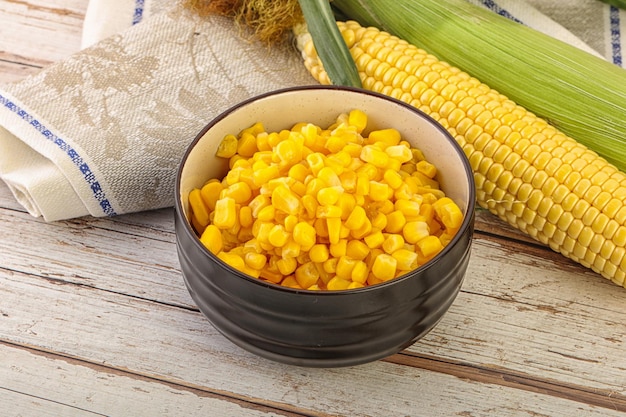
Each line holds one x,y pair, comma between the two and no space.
359,273
449,213
212,239
392,243
325,212
246,145
379,191
330,265
291,249
198,207
374,239
288,152
266,214
329,177
328,196
290,222
409,208
319,253
390,136
374,156
415,231
357,249
210,193
384,267
345,265
406,259
393,178
225,214
400,153
255,260
239,191
291,282
285,200
426,168
358,119
362,184
227,147
338,249
429,246
307,275
337,284
232,259
262,175
278,236
333,224
286,266
395,222
305,235
356,219
347,203
245,217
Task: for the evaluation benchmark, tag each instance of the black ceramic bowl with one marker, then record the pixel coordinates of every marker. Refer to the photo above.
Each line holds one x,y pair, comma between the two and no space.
324,328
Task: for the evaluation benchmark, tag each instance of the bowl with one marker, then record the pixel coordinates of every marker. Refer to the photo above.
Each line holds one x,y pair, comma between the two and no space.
324,328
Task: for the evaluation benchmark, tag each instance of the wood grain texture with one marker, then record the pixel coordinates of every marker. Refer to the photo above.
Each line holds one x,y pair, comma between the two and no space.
95,318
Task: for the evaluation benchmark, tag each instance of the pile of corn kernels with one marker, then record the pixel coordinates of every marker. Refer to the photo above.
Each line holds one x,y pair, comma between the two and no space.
324,208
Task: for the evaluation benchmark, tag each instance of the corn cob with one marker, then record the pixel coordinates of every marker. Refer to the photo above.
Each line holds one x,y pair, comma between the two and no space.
582,95
526,171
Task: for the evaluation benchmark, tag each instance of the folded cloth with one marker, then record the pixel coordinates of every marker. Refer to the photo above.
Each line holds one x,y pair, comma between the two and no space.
102,132
105,18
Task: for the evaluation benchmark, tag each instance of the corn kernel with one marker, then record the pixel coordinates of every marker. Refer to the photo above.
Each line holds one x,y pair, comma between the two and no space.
392,243
395,222
307,275
210,193
227,147
374,156
358,119
198,207
305,235
336,284
285,200
390,136
429,246
212,239
384,267
255,260
225,214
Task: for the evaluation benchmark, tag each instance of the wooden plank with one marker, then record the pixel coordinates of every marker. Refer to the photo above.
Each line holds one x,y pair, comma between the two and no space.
74,388
175,346
39,32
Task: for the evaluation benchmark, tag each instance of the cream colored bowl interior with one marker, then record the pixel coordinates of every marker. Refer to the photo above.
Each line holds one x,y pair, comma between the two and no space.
321,106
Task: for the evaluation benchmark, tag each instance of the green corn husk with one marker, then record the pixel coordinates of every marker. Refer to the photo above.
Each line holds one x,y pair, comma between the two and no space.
329,42
617,3
580,94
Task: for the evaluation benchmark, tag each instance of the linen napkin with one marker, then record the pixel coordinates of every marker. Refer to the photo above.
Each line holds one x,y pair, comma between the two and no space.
102,132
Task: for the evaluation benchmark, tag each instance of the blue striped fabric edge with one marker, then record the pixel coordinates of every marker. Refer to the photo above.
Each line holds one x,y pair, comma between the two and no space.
139,9
616,36
77,160
494,7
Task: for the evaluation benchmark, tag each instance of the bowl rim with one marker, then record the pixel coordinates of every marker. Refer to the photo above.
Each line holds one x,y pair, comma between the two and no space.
468,218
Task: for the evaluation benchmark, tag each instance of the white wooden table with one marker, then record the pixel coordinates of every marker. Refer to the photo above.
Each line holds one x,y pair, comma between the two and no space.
95,318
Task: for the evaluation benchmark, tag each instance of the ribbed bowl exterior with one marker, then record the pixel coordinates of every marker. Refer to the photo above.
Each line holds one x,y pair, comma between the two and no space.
329,329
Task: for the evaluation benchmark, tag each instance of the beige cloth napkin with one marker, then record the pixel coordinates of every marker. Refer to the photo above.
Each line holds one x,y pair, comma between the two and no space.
102,132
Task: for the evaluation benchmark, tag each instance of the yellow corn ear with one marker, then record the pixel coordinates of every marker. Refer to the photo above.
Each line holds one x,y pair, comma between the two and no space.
527,172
